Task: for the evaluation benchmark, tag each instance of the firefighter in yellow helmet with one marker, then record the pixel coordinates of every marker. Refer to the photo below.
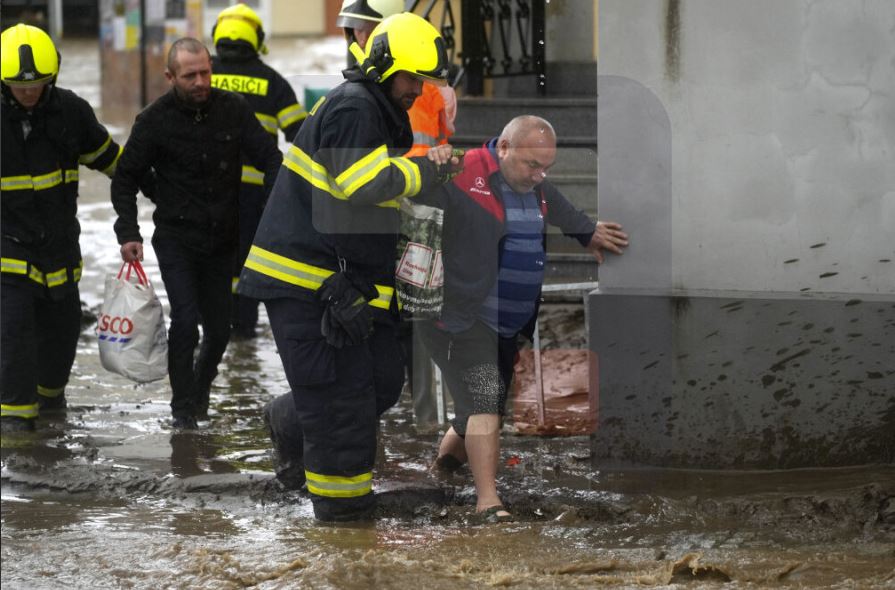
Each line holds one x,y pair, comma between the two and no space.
238,40
323,260
47,133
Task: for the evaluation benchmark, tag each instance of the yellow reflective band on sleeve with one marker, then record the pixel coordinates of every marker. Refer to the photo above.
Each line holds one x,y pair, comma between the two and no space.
13,266
78,271
51,392
243,84
251,175
291,114
412,177
234,283
29,411
269,123
314,173
302,275
110,169
92,156
420,138
71,176
335,486
363,171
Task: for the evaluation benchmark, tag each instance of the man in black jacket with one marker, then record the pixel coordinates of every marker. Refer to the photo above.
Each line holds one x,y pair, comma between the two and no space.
194,137
48,132
495,216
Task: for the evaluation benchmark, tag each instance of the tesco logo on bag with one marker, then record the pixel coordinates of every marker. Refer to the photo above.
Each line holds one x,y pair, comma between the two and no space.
114,328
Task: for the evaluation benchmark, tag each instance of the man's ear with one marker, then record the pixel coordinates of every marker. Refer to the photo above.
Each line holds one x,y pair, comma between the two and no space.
503,146
169,76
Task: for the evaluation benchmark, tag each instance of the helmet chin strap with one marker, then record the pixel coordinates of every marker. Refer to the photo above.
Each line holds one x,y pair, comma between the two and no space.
366,66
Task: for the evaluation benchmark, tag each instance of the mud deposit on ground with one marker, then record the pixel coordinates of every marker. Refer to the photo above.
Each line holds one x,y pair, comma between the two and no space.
105,496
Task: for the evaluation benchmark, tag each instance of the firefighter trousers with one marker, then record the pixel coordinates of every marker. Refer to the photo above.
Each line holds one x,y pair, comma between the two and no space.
339,395
39,341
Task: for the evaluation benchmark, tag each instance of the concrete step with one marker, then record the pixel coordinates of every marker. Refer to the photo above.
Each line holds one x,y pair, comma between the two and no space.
574,117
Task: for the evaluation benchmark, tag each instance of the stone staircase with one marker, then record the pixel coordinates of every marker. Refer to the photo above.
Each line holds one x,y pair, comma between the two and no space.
575,172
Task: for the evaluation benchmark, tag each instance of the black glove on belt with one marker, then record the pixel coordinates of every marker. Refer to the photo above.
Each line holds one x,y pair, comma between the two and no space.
347,318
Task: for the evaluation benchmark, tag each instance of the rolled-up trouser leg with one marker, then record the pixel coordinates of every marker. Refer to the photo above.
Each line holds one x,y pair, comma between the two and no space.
337,405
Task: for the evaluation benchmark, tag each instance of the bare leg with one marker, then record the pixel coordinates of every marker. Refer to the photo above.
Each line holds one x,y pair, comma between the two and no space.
453,445
483,450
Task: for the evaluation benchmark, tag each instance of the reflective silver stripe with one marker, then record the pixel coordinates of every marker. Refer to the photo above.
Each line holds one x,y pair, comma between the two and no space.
420,138
303,275
13,266
29,411
269,123
335,486
50,391
234,283
291,114
71,176
251,175
16,183
92,156
363,171
314,173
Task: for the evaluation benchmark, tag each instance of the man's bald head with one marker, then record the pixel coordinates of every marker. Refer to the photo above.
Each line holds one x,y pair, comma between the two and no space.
526,149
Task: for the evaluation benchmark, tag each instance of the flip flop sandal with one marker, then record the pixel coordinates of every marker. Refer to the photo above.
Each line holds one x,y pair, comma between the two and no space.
491,516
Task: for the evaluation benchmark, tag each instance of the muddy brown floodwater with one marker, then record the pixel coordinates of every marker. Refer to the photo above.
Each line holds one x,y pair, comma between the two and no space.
106,496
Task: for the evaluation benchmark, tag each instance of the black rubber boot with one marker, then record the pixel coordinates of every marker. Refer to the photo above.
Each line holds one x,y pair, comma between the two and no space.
14,424
51,404
284,430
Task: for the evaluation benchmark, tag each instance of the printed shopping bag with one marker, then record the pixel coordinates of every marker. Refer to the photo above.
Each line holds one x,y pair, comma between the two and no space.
419,276
131,327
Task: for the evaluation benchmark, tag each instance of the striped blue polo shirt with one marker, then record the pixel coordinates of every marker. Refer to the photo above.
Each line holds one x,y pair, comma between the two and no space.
514,295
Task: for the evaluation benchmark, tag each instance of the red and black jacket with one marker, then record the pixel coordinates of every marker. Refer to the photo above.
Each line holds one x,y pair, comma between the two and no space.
475,227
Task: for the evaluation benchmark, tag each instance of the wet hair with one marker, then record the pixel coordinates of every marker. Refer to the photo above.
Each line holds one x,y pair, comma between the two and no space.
187,44
520,127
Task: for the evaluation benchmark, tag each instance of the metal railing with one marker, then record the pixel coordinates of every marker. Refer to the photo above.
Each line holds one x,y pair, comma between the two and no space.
501,38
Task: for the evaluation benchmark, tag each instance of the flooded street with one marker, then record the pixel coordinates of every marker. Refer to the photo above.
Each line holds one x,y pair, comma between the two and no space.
106,496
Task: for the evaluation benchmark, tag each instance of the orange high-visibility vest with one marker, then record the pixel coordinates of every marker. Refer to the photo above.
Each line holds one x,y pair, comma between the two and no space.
430,122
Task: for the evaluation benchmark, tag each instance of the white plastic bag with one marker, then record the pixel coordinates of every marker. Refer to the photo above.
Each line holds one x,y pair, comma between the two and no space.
419,272
131,327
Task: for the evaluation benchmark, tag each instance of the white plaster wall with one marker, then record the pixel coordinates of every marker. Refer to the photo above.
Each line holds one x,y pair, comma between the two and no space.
782,137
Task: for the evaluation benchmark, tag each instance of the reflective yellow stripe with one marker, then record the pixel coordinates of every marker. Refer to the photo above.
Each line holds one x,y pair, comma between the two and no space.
234,283
35,275
317,105
53,279
303,275
38,183
243,84
16,183
269,123
291,114
50,391
13,266
251,175
363,171
412,176
92,156
29,411
59,277
110,169
335,486
315,174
